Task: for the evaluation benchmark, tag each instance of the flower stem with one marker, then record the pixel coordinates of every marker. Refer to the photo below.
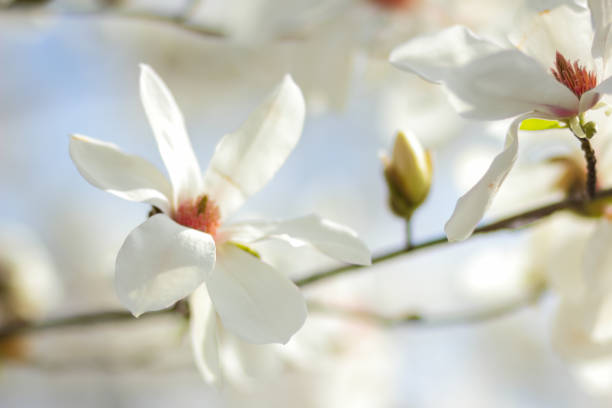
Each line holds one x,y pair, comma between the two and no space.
589,155
408,233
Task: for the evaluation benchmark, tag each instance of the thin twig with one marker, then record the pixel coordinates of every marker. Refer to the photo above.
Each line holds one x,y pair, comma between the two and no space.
512,222
421,320
180,21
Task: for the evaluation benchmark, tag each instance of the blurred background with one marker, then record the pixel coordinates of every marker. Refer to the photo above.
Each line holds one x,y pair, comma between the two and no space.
72,67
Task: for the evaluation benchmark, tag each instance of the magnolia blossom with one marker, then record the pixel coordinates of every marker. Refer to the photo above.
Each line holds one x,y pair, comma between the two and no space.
186,249
557,68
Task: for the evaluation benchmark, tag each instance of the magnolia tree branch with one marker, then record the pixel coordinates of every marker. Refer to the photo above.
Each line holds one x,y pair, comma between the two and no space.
180,21
481,315
513,222
508,223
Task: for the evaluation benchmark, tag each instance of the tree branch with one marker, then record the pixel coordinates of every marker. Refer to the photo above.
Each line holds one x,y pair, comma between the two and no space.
421,320
512,222
179,21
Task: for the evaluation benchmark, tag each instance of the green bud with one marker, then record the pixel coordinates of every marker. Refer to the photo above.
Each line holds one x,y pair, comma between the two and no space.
590,128
408,175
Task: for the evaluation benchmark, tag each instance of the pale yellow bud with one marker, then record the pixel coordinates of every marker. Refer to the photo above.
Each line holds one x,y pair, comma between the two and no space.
408,174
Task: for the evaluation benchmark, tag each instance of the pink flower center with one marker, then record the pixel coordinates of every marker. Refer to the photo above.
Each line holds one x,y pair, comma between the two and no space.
201,214
576,77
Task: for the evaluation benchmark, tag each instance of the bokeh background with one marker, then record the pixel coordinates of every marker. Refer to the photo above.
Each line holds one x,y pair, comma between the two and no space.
72,67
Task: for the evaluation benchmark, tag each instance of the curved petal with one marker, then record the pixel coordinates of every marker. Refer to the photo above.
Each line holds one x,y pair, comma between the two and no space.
601,16
172,140
507,84
598,316
591,97
333,239
244,161
571,339
160,263
565,28
253,300
132,178
203,324
598,257
434,57
472,205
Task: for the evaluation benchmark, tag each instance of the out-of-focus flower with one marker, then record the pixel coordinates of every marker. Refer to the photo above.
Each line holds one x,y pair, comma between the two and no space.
183,249
558,69
332,362
571,251
408,174
29,286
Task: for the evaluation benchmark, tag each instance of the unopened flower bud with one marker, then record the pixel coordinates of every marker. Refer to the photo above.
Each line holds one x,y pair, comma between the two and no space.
408,175
590,128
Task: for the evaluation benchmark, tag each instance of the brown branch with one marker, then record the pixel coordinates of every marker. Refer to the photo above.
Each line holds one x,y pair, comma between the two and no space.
512,222
589,156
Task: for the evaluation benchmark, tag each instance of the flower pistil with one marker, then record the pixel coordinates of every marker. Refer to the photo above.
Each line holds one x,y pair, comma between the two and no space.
573,75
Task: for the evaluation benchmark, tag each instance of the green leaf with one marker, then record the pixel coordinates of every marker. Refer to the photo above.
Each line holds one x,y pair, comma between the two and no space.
540,124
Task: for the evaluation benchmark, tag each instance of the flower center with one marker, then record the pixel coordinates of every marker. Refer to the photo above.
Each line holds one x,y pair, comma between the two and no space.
576,77
201,214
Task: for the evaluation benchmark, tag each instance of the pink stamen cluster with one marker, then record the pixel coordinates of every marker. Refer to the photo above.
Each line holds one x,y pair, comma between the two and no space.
576,77
201,214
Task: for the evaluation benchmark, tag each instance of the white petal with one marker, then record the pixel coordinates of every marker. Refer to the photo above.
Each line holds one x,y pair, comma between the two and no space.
565,29
253,300
507,84
601,15
172,140
203,323
598,316
590,98
333,239
434,57
571,339
130,177
246,160
160,263
472,205
598,277
598,257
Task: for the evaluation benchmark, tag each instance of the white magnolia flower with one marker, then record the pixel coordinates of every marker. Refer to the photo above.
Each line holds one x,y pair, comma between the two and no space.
557,68
186,249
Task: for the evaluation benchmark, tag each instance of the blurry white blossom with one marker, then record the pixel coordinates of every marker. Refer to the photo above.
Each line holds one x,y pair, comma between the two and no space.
29,285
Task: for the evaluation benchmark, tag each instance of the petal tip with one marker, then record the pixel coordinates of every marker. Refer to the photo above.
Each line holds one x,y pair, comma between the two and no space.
144,68
393,56
452,234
